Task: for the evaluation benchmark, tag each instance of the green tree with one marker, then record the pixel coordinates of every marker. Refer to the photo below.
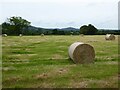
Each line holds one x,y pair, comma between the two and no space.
15,25
54,31
88,30
83,29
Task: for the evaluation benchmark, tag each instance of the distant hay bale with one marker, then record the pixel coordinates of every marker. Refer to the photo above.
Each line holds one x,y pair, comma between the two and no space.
110,37
81,35
4,35
81,53
42,35
20,35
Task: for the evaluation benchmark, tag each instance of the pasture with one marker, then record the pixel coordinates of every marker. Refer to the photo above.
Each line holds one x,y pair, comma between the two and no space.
43,62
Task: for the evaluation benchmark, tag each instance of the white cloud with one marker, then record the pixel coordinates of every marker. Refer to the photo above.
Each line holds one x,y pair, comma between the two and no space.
63,13
59,1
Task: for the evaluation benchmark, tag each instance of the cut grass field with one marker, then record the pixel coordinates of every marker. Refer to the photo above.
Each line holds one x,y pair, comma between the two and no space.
43,62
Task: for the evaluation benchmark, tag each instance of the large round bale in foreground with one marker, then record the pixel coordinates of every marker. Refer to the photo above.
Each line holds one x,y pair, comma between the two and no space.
110,37
81,53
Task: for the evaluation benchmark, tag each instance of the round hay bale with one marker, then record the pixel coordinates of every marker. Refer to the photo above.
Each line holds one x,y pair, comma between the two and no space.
81,53
42,35
109,37
20,35
4,35
81,35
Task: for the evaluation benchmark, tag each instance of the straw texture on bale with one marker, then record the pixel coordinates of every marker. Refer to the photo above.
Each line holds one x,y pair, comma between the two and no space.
110,37
81,53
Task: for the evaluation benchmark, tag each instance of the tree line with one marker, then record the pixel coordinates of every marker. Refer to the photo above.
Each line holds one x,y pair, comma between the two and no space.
17,25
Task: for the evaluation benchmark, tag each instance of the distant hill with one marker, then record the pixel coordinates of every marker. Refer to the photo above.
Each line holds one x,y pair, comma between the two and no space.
32,30
62,29
70,29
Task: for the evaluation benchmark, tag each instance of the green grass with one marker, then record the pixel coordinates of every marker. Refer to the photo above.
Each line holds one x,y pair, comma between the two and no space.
43,62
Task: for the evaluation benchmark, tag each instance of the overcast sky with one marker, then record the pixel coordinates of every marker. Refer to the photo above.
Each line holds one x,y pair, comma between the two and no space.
63,13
